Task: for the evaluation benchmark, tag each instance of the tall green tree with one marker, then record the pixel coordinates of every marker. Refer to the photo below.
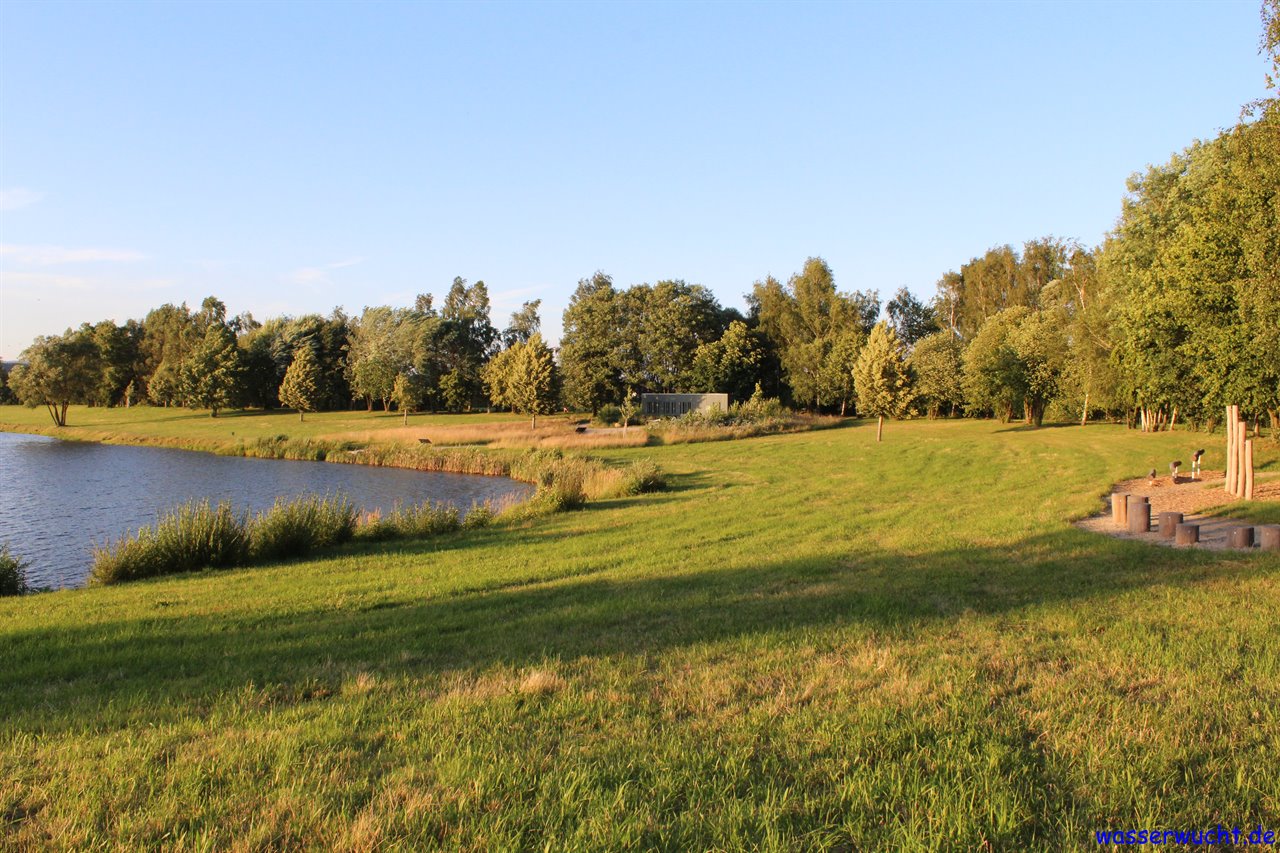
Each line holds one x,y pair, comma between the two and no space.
803,321
938,371
881,377
523,378
524,324
835,378
210,377
301,389
728,365
6,393
379,348
910,318
409,394
56,372
588,343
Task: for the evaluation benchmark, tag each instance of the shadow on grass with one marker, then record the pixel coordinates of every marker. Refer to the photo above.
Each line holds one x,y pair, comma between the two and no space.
158,664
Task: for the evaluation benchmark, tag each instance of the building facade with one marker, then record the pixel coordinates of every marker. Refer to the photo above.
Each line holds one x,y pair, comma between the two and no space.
675,405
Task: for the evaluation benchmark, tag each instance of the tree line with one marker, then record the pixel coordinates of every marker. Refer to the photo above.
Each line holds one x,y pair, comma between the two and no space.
1174,315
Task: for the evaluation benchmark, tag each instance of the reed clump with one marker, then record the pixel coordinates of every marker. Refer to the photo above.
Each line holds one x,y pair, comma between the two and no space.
195,535
13,574
410,522
200,535
300,527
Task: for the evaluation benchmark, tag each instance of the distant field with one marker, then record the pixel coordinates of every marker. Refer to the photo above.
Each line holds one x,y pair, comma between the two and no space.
810,642
182,428
146,422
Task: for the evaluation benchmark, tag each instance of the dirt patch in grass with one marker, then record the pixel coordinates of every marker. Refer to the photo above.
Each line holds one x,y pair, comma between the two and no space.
1195,499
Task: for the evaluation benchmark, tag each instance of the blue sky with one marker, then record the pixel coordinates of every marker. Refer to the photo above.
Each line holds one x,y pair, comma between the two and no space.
290,157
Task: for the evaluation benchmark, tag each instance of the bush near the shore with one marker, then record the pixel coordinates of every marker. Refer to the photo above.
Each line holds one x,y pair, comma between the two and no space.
13,577
200,535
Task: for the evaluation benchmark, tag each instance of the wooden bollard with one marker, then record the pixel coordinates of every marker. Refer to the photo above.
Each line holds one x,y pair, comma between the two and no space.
1247,493
1187,534
1242,537
1229,484
1169,522
1139,510
1269,537
1242,429
1118,505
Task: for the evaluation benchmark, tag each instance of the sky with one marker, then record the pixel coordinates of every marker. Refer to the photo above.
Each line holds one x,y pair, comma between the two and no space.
293,157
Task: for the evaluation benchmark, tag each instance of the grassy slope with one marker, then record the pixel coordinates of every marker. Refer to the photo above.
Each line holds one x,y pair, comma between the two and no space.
810,641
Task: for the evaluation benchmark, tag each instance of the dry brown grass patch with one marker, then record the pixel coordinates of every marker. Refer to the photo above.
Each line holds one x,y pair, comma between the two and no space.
541,682
550,433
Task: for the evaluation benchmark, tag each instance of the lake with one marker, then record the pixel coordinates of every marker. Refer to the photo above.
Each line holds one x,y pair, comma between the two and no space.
60,498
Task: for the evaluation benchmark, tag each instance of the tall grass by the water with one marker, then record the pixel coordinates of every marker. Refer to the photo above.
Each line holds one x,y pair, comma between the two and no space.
200,535
411,522
195,535
13,575
300,527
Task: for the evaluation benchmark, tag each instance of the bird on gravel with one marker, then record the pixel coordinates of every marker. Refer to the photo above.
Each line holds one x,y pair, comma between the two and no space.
1152,477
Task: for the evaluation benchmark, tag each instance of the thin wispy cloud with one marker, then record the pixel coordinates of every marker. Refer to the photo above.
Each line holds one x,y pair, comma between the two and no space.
44,281
515,298
52,255
319,274
16,198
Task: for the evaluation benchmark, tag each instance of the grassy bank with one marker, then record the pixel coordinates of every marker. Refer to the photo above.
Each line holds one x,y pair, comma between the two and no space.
808,642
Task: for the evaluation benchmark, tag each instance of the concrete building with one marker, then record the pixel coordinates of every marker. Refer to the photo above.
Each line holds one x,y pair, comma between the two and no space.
675,405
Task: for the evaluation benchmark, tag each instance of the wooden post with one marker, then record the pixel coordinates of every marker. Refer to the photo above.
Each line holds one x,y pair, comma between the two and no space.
1248,469
1169,522
1242,429
1269,537
1242,537
1187,534
1139,510
1118,506
1230,485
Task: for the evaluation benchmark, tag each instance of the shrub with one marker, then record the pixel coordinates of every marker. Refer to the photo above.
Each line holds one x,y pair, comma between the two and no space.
299,527
196,535
480,515
417,522
13,573
608,415
641,476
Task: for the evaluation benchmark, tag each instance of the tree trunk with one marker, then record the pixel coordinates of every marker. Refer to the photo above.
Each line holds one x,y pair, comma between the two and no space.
406,415
842,405
301,415
213,413
534,421
1173,419
879,427
1084,413
368,403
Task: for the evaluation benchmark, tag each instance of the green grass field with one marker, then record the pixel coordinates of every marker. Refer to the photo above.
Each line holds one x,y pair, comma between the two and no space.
147,425
809,642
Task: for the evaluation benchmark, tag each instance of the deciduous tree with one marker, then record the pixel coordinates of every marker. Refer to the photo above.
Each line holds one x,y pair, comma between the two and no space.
301,387
881,377
210,377
56,372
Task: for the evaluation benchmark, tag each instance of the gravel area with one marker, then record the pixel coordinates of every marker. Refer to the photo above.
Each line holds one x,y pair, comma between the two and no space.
1189,497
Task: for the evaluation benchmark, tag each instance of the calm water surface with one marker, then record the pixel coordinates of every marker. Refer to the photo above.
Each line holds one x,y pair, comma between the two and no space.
60,498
